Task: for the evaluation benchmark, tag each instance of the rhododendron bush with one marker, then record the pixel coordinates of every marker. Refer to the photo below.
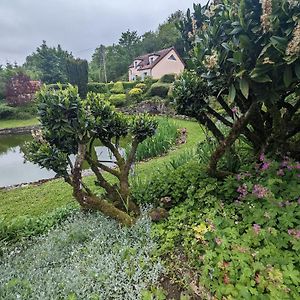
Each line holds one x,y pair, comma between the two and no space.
244,72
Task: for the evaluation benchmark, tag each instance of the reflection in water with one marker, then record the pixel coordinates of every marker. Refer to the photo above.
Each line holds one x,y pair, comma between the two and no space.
13,169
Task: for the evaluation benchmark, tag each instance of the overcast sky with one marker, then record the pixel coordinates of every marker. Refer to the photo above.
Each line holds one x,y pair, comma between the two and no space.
78,25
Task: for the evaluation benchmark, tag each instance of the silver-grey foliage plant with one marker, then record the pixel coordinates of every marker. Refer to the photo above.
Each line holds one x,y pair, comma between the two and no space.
87,257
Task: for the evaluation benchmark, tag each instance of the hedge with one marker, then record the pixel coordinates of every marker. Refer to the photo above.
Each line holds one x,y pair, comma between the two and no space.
97,87
159,89
128,85
118,99
118,88
167,78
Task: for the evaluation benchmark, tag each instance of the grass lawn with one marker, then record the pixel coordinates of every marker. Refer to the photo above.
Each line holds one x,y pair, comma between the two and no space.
18,123
43,199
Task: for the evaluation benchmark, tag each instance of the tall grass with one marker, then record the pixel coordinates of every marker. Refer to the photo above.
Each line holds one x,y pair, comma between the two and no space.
164,138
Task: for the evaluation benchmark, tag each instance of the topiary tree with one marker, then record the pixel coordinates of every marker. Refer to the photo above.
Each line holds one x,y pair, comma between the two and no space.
245,54
71,126
136,94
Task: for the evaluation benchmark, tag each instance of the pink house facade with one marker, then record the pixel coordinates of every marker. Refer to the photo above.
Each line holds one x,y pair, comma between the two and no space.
157,64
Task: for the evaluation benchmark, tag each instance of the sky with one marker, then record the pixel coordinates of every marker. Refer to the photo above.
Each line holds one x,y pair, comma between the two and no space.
78,26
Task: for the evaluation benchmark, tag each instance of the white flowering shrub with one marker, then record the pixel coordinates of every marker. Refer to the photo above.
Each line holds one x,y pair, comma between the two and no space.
86,257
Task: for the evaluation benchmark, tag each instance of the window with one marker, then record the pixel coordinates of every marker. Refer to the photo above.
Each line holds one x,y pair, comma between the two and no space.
172,57
152,59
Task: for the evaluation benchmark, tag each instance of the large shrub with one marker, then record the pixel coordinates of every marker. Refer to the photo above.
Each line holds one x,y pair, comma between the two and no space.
97,87
159,89
167,78
136,94
118,88
20,90
246,55
129,84
117,100
71,126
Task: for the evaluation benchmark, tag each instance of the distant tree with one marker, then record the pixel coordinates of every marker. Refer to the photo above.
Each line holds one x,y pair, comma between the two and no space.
50,63
130,42
149,42
98,65
77,71
7,72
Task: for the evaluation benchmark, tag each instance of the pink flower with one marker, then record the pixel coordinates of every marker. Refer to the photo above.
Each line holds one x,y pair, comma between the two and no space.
280,172
262,157
218,241
256,228
234,110
298,201
259,191
294,233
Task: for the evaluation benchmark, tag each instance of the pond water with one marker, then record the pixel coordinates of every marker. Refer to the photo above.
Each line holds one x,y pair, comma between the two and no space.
14,170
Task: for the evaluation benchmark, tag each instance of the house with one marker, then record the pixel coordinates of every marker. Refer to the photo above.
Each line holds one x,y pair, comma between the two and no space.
157,64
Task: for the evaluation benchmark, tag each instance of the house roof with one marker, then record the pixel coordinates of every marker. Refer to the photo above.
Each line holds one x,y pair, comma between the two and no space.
145,62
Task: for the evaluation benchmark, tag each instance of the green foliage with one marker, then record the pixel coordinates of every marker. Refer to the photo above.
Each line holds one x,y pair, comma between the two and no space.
167,78
142,86
129,85
50,63
7,112
159,89
97,87
246,55
57,86
19,113
136,94
118,88
118,100
22,227
164,138
241,234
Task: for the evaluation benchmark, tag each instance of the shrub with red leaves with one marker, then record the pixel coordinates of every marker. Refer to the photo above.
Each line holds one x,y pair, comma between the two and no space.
20,90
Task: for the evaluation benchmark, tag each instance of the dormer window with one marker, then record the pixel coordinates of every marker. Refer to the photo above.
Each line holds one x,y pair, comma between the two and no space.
152,59
136,63
172,57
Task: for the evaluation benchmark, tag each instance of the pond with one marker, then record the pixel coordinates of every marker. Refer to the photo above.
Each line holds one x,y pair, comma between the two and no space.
14,170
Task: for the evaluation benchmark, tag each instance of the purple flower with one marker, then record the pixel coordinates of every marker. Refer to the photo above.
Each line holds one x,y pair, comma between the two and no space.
262,157
243,191
265,166
259,191
298,201
256,228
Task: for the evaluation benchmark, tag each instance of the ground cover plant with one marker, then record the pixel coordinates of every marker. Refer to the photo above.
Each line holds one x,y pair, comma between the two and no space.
86,257
236,239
